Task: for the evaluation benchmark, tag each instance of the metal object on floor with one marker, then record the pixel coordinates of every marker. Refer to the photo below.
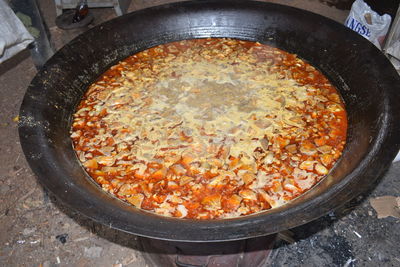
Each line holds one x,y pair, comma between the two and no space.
120,6
394,31
64,21
393,36
254,252
41,49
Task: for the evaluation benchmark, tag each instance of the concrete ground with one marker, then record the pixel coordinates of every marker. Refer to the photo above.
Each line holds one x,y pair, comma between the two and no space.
37,230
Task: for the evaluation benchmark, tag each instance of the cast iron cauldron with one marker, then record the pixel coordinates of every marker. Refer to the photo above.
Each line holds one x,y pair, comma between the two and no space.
368,83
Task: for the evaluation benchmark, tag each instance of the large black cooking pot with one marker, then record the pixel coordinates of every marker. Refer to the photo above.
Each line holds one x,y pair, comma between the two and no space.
368,83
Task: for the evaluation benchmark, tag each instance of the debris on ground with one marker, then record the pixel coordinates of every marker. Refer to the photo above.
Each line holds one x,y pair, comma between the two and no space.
62,238
93,252
386,206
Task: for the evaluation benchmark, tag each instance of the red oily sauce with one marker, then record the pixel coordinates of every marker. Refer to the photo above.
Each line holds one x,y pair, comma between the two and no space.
209,128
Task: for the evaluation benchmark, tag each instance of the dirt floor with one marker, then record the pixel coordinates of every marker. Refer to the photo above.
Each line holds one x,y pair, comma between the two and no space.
37,230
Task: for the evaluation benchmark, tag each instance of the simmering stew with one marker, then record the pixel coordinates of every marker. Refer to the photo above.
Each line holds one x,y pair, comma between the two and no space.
209,128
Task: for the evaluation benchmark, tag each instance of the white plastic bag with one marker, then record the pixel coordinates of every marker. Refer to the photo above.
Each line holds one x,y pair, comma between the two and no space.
366,22
13,35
